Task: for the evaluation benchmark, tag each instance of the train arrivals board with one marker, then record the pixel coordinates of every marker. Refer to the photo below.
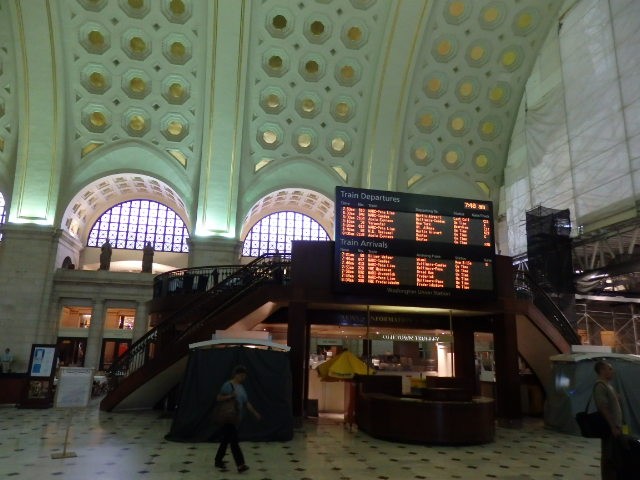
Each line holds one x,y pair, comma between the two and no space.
408,244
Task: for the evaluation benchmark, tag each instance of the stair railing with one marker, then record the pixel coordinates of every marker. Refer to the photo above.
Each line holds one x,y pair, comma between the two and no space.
526,287
149,346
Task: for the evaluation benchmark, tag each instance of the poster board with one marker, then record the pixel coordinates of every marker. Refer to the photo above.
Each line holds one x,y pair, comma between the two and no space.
74,387
38,388
42,361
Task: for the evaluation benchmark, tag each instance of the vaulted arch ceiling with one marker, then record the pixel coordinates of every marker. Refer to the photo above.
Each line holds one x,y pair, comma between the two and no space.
416,95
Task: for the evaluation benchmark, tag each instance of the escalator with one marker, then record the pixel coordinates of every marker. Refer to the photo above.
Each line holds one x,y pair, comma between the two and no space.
542,328
154,364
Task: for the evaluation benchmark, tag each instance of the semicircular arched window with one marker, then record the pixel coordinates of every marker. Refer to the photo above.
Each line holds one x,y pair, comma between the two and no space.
276,231
3,212
129,225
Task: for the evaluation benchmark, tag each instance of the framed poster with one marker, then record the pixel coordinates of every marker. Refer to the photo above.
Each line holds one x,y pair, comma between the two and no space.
43,361
39,387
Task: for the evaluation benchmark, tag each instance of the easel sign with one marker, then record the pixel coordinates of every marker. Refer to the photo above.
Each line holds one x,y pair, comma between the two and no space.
73,391
74,387
38,389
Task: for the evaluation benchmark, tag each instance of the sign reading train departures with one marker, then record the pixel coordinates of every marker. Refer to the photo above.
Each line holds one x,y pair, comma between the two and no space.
408,244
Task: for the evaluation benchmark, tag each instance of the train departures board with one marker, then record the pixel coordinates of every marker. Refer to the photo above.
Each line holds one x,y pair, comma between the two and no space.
413,245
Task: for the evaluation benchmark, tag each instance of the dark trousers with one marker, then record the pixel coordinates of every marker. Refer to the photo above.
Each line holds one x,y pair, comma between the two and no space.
230,437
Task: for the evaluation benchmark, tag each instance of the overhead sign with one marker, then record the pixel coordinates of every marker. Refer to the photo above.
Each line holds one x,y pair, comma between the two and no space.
413,245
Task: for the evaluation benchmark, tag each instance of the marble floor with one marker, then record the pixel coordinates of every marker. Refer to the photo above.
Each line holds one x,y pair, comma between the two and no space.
132,446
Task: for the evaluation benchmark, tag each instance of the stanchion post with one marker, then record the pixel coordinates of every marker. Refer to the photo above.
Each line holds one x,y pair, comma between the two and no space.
64,453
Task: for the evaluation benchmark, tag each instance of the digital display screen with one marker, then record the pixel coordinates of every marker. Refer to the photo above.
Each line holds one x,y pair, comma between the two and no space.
409,244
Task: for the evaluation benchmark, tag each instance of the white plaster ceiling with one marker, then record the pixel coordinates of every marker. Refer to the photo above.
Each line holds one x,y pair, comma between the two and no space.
416,96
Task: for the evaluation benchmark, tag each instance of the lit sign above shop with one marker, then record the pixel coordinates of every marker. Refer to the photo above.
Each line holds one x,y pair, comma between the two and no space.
411,337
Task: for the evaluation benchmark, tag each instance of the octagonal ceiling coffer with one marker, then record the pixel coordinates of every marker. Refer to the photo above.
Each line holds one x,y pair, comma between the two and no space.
93,5
136,44
427,120
135,8
174,127
136,122
435,85
177,11
175,89
177,48
312,67
305,139
348,72
136,84
308,104
317,28
355,34
270,135
275,62
95,78
95,38
280,22
339,143
96,118
422,153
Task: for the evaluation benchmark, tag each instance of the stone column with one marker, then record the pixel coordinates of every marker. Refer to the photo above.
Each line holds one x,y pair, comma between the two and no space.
96,329
221,142
27,257
463,347
141,324
298,340
505,344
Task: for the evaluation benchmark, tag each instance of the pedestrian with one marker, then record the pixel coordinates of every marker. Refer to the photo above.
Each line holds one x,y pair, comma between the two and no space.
233,388
7,360
608,404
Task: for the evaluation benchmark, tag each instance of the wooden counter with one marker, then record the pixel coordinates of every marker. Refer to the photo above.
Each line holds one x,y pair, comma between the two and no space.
11,385
416,420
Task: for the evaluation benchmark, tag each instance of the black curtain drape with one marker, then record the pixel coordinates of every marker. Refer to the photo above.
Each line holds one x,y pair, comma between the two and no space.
268,386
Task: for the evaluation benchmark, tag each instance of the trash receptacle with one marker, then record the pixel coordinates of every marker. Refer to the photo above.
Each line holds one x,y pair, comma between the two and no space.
312,407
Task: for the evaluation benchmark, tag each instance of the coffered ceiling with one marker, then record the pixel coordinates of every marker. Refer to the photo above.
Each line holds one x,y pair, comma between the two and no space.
409,95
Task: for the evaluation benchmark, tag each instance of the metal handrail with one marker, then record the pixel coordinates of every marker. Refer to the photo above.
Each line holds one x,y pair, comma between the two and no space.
192,280
267,267
526,287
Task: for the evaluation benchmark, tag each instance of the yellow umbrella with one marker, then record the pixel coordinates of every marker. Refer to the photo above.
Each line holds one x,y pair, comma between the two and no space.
342,367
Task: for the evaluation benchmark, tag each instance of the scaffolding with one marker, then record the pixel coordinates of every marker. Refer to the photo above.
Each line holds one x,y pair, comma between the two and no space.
613,327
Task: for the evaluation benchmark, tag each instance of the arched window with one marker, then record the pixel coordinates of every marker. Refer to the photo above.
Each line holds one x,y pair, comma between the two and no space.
129,225
3,213
276,231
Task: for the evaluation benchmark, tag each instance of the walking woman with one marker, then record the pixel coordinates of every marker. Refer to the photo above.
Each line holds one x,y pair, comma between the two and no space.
233,388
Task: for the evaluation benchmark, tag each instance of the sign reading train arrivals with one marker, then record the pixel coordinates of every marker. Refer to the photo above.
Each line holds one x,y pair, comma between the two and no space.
407,244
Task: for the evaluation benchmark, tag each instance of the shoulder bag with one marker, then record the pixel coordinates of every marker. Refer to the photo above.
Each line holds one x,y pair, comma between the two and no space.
225,411
592,425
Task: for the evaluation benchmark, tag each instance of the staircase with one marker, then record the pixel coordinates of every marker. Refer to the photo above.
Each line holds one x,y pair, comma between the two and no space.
542,328
155,363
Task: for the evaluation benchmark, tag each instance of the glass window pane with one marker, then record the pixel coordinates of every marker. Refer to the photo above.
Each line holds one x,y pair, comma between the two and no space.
134,222
277,230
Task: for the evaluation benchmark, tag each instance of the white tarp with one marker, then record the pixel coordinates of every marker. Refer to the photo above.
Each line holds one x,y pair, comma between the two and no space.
574,377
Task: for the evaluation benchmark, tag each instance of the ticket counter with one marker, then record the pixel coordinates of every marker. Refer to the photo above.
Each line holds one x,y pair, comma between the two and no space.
443,416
